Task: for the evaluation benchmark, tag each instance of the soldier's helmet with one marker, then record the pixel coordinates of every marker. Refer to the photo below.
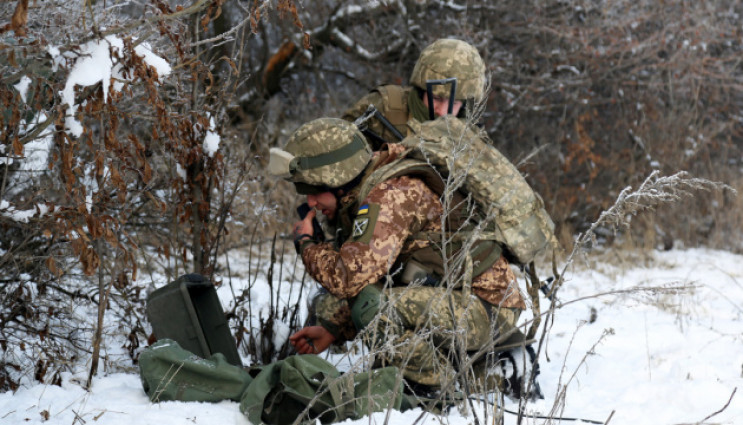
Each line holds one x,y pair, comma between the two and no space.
449,58
322,154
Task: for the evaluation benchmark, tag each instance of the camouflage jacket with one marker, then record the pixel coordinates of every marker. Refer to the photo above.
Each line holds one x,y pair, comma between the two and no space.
379,230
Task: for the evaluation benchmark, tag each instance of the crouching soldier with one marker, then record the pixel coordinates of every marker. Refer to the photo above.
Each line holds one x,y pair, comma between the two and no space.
449,78
388,273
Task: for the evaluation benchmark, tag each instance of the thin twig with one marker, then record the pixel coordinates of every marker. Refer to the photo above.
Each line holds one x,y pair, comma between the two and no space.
722,409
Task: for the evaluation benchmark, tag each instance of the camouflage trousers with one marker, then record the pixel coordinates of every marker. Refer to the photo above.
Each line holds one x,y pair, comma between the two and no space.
429,333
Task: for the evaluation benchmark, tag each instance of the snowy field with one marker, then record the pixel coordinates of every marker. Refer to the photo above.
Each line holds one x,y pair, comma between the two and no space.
662,345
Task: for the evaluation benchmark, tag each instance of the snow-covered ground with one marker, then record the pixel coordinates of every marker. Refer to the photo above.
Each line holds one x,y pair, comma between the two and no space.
663,345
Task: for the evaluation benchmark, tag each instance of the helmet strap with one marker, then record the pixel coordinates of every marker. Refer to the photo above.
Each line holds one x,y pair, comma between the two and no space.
332,157
452,92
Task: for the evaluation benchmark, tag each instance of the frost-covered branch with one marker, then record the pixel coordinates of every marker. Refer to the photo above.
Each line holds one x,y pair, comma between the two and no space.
655,190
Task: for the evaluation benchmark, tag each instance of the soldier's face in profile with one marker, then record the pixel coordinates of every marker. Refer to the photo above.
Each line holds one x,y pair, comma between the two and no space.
441,105
324,202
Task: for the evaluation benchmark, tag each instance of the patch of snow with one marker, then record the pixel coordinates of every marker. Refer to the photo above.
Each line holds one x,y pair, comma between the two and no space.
22,87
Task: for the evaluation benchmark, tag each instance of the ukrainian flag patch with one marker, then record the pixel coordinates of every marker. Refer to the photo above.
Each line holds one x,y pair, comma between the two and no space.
364,222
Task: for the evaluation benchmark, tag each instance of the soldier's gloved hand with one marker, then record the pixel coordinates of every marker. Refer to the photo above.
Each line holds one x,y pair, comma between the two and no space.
517,365
304,230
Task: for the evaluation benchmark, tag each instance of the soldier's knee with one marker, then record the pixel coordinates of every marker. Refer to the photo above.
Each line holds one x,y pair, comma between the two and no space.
366,305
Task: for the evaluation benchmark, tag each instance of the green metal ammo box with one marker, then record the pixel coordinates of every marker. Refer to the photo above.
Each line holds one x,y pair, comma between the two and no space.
188,311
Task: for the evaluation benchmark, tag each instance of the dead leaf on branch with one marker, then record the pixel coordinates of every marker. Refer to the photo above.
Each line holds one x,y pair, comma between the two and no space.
94,226
147,173
19,20
162,206
11,59
255,17
51,264
288,6
99,166
17,148
212,12
111,237
90,261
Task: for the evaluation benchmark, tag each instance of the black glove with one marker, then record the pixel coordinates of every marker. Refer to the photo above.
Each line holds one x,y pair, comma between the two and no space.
516,365
318,234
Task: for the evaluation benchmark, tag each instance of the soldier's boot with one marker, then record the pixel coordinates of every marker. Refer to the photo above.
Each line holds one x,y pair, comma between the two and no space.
519,369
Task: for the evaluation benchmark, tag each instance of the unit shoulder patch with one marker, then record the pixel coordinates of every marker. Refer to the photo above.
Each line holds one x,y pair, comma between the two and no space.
363,224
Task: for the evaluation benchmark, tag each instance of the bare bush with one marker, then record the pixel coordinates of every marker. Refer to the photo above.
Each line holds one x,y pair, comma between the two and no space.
98,166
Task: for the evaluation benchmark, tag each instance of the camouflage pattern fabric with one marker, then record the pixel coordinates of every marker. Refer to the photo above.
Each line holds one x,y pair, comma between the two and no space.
521,223
417,328
406,206
447,58
334,314
322,137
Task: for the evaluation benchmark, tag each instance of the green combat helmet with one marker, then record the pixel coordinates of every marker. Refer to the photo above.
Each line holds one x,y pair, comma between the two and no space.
322,154
451,69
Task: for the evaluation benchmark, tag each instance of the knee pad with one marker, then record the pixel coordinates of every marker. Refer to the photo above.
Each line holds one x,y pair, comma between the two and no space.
366,305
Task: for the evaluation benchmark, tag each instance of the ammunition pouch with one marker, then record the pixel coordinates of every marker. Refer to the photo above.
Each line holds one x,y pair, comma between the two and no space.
415,272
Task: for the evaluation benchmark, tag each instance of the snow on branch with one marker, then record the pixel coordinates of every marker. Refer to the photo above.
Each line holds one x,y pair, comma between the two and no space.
21,216
95,64
335,25
465,6
340,39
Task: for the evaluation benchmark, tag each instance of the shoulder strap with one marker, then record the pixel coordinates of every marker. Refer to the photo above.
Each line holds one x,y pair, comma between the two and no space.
402,167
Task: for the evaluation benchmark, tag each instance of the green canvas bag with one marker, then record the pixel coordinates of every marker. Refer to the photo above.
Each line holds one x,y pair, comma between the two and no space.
309,387
301,386
169,372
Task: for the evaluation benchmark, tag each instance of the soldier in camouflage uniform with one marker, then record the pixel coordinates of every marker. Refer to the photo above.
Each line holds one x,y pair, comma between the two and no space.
438,64
366,270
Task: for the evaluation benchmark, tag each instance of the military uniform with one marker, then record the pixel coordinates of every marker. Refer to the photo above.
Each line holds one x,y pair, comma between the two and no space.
380,229
452,307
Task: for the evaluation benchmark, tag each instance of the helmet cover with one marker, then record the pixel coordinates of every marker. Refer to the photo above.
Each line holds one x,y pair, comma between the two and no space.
450,58
327,152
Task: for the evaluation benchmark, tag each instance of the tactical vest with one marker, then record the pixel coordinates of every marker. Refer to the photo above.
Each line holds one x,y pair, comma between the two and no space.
426,262
394,108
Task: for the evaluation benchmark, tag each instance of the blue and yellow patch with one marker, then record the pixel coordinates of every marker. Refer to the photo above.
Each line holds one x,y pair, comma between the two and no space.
364,222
